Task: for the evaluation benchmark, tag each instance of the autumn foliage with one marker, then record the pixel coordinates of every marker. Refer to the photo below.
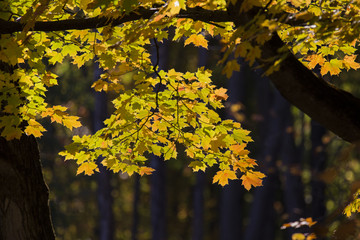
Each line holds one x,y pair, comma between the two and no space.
165,109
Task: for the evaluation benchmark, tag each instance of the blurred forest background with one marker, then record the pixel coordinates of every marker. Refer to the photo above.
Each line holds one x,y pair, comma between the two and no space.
310,172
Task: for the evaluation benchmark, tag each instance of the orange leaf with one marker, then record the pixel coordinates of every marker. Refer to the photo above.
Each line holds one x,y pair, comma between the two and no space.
197,40
333,67
315,60
237,148
252,178
146,171
222,177
349,62
221,93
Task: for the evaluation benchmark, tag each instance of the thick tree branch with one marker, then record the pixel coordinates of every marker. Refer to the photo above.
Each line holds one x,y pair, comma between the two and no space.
335,109
7,27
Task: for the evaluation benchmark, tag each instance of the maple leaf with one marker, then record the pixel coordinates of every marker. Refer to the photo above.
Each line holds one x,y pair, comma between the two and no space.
349,62
197,40
100,85
11,133
315,59
34,128
333,67
88,168
146,171
222,177
197,165
254,53
221,93
71,122
230,67
252,179
237,148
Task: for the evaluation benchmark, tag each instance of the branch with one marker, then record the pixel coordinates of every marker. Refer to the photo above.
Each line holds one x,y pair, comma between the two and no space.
8,27
335,109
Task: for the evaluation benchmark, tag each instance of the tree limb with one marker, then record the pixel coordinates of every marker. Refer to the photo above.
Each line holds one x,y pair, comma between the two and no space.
8,27
335,109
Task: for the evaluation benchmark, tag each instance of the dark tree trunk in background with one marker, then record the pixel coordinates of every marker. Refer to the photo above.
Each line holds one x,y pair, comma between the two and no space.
24,196
105,199
198,219
158,194
291,159
262,221
158,200
318,161
135,224
198,205
232,194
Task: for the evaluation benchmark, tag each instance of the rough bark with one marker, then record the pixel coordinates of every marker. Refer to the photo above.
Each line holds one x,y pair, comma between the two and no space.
24,196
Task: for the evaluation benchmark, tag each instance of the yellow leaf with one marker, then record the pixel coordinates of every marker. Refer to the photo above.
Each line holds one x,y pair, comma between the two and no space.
231,66
11,133
146,171
333,67
100,85
222,177
56,118
34,128
30,130
71,122
197,40
298,236
88,168
254,53
252,178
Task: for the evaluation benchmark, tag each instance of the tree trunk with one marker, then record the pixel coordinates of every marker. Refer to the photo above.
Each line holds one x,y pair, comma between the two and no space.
293,185
135,223
24,196
262,221
232,194
198,203
158,194
104,197
318,164
158,200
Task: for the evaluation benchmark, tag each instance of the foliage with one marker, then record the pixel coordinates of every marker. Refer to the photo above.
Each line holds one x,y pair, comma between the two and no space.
165,108
298,224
